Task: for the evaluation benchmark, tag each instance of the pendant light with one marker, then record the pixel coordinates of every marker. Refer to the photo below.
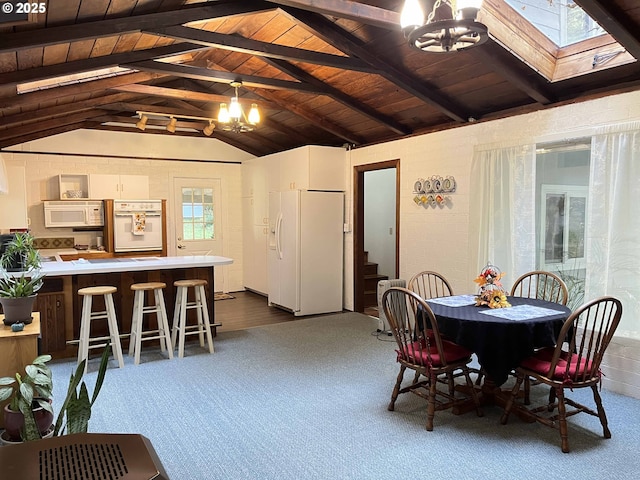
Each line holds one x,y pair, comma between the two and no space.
449,26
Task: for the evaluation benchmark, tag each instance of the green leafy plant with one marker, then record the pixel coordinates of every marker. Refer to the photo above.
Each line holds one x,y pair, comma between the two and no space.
30,391
21,254
35,390
20,286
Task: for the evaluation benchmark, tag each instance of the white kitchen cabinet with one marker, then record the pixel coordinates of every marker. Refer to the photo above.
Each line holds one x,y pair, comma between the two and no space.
254,258
312,168
255,185
13,205
255,269
127,187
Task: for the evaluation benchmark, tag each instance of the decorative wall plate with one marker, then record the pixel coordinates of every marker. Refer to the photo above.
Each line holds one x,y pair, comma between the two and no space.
436,183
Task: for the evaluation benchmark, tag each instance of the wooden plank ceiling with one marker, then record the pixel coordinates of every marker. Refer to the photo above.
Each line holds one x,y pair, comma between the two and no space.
328,73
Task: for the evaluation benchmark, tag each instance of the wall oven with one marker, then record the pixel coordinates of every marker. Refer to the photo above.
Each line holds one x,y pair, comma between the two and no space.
137,225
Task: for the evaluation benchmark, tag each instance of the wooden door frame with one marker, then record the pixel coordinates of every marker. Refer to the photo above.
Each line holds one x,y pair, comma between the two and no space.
358,225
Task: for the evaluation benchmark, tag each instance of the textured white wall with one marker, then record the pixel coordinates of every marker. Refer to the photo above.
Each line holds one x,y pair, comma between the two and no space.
438,239
198,156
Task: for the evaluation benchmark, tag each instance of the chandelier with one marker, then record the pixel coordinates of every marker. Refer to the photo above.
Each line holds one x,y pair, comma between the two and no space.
450,25
232,118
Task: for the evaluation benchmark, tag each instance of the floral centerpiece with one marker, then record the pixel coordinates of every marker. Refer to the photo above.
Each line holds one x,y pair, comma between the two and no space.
491,293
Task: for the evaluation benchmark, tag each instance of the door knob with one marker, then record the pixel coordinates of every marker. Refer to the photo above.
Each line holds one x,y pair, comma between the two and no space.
181,246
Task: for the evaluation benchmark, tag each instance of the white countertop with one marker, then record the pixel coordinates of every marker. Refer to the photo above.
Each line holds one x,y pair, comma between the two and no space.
108,265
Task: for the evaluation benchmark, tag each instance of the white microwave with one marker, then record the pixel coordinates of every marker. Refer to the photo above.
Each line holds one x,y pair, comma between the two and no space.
73,213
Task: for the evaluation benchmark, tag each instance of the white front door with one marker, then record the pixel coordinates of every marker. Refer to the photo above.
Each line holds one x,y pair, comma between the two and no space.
198,225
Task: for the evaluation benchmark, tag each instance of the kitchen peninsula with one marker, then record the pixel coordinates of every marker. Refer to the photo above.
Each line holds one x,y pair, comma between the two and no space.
60,307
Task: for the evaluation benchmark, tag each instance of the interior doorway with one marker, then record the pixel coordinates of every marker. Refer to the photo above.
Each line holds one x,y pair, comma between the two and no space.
361,289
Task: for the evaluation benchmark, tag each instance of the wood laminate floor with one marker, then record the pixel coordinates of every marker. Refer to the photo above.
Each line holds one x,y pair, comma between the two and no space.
247,310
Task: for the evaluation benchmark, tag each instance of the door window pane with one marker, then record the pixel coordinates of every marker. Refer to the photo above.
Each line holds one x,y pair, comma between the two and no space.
198,216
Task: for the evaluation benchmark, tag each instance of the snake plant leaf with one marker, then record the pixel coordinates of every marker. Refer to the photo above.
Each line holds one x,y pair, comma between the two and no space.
102,370
30,428
79,412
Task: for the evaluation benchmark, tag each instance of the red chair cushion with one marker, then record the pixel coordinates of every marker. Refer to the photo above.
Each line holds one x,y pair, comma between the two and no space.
452,352
540,362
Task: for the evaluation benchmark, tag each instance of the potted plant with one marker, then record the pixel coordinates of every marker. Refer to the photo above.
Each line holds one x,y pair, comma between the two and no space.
29,413
18,291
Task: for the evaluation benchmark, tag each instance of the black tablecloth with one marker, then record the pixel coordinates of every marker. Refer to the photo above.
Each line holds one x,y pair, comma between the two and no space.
500,344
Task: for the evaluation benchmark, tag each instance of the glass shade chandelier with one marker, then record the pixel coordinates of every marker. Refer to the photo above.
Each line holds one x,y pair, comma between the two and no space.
449,26
232,118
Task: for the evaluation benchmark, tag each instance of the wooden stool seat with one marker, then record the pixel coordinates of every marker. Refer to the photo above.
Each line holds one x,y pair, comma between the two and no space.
97,290
138,335
189,283
180,328
87,342
148,286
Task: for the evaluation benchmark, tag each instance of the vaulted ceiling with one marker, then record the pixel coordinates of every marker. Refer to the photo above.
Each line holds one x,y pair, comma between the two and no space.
327,73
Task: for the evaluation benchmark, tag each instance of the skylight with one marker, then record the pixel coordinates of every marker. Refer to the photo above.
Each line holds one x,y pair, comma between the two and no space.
70,79
562,21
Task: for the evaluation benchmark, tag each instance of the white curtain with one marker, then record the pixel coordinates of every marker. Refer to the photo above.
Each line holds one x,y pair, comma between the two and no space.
613,225
502,211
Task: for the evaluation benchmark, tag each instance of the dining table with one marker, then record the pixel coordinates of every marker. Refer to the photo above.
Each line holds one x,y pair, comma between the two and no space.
500,338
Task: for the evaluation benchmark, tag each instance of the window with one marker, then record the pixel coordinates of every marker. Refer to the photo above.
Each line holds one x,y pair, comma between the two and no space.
563,22
563,210
197,214
562,192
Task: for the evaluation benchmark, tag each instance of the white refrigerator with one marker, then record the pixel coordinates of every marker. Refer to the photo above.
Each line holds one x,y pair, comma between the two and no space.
305,256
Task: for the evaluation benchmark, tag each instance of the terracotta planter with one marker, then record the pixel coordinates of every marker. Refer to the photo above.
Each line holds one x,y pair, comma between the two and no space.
14,421
17,309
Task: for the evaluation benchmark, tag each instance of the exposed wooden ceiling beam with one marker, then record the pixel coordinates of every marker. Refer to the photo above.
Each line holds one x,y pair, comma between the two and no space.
359,12
506,69
21,136
219,76
94,63
615,22
351,45
281,128
33,98
176,93
146,107
236,43
60,110
15,41
317,120
45,125
340,97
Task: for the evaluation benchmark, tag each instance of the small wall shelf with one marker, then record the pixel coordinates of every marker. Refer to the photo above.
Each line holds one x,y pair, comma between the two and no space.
73,185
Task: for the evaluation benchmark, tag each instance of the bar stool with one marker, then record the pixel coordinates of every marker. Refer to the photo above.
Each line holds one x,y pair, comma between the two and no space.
85,341
180,327
139,309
